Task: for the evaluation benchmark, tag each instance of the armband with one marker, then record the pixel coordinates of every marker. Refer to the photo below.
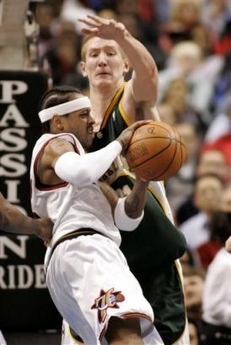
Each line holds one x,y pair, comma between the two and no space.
122,220
77,169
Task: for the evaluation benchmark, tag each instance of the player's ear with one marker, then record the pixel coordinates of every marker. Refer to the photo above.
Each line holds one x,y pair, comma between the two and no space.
126,66
83,68
57,122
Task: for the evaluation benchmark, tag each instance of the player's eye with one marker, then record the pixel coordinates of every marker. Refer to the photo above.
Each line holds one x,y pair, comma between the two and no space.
111,53
94,54
85,113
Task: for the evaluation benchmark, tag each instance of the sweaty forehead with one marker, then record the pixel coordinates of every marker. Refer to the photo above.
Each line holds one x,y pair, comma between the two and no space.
100,43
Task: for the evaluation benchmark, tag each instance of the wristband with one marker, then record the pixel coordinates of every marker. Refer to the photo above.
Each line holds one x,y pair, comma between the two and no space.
122,220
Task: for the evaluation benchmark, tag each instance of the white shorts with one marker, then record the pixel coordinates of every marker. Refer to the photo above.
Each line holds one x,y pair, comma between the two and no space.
89,281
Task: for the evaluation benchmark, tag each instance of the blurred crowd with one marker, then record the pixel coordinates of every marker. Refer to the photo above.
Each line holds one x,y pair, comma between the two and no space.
190,41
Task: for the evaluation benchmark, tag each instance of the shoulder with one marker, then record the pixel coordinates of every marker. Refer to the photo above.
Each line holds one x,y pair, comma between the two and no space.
63,141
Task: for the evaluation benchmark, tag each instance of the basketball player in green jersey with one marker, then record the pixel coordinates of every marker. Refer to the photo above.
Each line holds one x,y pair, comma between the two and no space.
153,249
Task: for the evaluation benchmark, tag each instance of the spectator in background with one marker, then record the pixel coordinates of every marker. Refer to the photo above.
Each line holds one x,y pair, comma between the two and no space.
194,278
222,87
189,260
180,186
176,95
187,61
201,35
210,161
166,113
194,331
139,18
45,17
71,10
223,145
226,199
216,297
208,250
63,57
182,17
185,14
215,14
226,207
213,161
221,124
207,198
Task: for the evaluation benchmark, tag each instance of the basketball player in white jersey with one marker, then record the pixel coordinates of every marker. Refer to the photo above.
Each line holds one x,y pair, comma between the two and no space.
86,273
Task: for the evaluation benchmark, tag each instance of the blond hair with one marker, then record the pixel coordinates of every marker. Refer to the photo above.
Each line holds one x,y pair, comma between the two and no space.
187,48
86,39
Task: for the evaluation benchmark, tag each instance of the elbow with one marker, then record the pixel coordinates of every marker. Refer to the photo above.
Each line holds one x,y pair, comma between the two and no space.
82,177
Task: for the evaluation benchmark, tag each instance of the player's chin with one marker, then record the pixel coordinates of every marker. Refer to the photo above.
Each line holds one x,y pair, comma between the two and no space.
89,141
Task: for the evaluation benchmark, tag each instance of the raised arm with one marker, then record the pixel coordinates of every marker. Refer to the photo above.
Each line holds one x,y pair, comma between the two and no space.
143,85
228,245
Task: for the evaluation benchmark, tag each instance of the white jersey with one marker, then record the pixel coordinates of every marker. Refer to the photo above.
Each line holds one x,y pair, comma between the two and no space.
70,207
97,283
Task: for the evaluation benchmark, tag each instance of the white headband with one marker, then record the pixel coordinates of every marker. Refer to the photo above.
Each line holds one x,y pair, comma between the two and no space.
64,108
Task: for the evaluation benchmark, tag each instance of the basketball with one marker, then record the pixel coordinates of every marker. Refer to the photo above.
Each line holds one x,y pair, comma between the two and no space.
156,151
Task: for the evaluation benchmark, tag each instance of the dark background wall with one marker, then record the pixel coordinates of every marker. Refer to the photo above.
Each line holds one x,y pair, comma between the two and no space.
25,304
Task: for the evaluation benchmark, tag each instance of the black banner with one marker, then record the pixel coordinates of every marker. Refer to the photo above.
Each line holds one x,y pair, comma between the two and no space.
25,304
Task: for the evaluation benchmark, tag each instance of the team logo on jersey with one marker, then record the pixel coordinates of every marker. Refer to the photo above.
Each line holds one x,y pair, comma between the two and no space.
108,299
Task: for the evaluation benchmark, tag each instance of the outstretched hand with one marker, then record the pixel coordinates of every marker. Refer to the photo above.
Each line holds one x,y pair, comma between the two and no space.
101,27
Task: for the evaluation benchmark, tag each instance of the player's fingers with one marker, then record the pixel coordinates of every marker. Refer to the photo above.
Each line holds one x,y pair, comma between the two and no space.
95,18
88,22
140,123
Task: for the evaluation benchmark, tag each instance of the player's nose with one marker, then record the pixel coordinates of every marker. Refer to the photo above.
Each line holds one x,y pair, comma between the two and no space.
102,59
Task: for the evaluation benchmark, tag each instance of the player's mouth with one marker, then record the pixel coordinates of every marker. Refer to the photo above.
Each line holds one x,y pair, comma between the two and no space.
90,131
102,74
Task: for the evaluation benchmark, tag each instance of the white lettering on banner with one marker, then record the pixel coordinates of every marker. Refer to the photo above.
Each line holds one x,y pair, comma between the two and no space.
13,114
11,88
13,168
12,165
12,138
12,188
22,277
17,249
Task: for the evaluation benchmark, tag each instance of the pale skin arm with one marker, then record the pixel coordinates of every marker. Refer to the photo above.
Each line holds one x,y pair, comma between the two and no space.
228,245
12,220
143,85
148,112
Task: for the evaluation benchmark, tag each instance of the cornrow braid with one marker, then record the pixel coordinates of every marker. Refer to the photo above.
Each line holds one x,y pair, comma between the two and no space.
56,96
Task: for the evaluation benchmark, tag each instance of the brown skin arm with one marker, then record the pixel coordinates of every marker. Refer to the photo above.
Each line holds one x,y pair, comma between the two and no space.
12,220
52,152
135,201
